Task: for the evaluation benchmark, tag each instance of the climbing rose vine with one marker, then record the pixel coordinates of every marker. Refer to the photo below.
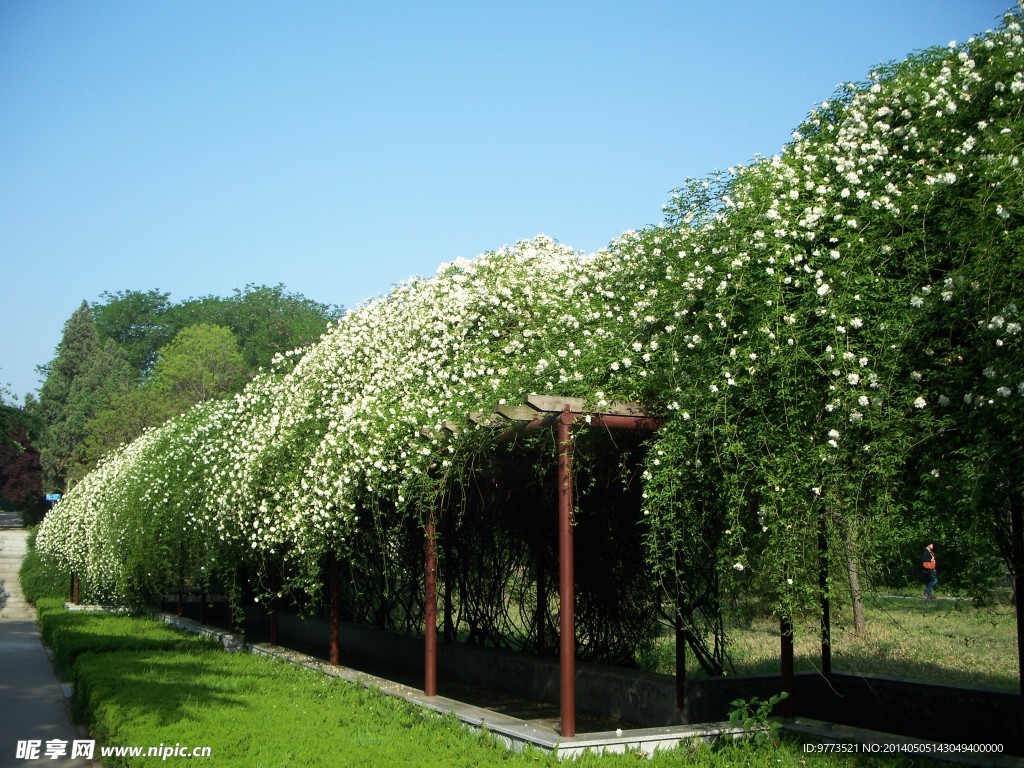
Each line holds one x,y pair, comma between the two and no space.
832,335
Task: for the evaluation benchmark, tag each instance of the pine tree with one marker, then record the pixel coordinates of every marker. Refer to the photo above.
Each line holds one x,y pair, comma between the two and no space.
80,381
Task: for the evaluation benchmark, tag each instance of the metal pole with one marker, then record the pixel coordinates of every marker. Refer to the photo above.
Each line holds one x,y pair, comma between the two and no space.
335,648
566,592
430,610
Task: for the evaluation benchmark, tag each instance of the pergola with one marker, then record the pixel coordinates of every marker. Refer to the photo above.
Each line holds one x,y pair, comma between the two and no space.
563,414
538,413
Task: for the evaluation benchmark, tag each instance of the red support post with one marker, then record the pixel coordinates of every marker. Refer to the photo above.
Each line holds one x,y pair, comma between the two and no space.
566,577
272,605
335,630
430,610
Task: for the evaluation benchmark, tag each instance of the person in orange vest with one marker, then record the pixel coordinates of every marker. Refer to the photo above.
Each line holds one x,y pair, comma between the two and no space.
928,568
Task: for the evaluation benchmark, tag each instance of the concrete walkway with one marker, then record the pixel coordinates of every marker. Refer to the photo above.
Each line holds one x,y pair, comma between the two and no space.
33,702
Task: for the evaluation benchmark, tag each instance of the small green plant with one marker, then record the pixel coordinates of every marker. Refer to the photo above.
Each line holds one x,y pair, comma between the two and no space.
754,715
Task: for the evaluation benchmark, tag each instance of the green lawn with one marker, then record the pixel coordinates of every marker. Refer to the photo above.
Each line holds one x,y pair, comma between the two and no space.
940,641
139,682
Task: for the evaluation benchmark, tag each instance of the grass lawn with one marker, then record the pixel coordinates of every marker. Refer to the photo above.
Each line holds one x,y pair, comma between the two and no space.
941,641
139,682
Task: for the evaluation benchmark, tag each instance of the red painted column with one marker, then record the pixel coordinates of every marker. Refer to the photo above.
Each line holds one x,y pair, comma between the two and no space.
566,577
430,612
335,631
272,606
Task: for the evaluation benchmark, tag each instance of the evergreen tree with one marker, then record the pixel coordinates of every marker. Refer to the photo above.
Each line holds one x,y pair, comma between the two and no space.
80,381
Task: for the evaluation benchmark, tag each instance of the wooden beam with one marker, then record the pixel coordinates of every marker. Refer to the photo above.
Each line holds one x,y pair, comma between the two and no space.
516,412
557,403
486,419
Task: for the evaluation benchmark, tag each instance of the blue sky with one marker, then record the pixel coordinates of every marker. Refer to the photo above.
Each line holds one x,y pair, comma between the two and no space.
341,147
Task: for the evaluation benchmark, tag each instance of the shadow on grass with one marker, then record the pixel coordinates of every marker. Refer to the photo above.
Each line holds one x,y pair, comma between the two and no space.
132,663
158,687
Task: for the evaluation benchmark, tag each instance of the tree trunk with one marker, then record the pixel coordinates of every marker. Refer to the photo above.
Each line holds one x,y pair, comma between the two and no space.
853,574
856,596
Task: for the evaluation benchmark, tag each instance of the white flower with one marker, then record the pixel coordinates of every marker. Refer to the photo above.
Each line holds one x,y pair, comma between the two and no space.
738,566
823,289
920,403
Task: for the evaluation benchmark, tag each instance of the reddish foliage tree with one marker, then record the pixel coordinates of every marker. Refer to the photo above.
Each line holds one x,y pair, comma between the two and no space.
21,474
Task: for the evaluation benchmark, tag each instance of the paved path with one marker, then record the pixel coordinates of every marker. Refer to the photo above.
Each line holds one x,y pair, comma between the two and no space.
33,704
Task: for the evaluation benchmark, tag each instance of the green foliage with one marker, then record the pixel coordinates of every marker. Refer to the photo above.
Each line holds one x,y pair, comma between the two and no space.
947,642
832,337
202,362
39,580
61,401
138,321
754,715
138,682
72,634
267,321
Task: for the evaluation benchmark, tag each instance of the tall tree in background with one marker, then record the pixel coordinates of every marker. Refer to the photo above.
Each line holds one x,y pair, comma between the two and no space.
77,345
21,481
202,362
84,377
133,360
106,378
265,320
138,321
21,473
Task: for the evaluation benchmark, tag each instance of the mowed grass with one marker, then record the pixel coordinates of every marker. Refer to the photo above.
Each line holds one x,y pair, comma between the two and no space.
945,641
139,682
